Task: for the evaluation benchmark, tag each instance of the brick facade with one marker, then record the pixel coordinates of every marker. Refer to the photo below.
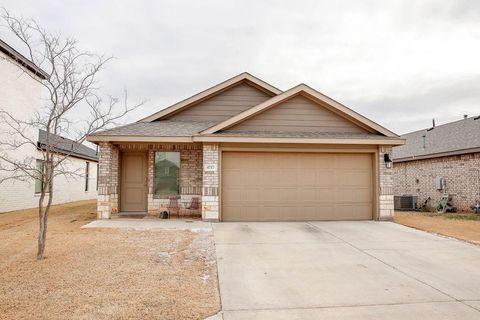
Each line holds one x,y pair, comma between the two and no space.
211,182
199,177
385,202
108,186
190,174
462,174
108,178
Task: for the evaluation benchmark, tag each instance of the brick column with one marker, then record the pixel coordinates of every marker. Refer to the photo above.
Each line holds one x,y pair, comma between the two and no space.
386,186
107,180
211,167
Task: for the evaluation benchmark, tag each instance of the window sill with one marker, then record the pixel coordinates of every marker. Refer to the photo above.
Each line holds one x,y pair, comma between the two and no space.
39,194
172,196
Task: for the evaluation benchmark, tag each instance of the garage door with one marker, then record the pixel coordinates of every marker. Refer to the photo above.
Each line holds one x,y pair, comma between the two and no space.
258,186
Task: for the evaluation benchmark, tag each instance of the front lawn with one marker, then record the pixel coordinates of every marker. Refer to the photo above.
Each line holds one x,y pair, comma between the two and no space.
103,273
458,225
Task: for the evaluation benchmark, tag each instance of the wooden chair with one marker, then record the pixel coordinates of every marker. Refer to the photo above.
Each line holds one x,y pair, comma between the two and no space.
193,207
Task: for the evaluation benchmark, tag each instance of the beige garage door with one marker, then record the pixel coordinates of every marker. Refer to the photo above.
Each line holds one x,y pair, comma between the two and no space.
259,186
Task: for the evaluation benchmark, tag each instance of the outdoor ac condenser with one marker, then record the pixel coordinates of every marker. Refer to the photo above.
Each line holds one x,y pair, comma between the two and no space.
405,202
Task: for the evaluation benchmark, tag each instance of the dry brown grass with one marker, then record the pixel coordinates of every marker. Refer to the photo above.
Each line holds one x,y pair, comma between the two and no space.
103,273
459,226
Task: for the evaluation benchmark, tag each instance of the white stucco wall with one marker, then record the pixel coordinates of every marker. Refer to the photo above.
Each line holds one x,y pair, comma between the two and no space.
16,195
20,95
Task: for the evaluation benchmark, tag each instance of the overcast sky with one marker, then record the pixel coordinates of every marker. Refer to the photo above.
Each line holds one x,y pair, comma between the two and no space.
400,63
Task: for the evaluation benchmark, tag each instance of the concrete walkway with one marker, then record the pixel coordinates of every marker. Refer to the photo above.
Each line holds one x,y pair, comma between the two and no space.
344,270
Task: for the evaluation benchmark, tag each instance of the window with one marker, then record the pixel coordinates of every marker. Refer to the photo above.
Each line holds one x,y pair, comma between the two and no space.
38,178
87,167
167,173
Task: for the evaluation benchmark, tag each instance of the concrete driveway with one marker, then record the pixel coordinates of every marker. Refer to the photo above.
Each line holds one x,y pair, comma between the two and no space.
344,270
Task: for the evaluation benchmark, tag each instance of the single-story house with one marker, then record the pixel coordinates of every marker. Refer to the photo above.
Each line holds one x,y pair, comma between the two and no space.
251,152
438,160
20,95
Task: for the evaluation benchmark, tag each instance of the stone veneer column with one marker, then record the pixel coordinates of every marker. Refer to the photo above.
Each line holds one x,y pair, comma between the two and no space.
107,180
385,209
210,199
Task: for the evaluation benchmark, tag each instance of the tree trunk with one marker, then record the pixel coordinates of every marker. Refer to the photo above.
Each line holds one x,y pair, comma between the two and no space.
44,209
42,231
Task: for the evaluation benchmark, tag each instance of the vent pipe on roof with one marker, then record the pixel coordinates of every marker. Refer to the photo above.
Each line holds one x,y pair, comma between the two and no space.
433,125
465,116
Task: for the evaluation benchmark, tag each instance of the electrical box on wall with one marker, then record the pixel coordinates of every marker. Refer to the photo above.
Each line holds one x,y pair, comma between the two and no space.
440,183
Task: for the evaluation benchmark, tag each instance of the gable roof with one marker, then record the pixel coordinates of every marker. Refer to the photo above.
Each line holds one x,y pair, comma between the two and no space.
184,104
303,89
454,138
66,146
20,59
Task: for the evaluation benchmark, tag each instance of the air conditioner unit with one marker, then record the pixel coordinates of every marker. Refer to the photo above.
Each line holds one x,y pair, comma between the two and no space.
405,202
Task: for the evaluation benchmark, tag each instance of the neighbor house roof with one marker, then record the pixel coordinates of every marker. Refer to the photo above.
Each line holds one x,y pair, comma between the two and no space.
66,146
22,60
459,137
210,92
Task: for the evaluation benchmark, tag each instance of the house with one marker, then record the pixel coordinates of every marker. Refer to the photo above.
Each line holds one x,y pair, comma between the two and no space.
438,160
251,152
20,95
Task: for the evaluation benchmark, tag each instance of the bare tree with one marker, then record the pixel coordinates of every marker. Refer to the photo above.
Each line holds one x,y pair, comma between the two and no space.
73,107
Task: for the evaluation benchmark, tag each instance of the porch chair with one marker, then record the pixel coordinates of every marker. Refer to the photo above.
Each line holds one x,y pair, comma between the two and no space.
173,207
193,207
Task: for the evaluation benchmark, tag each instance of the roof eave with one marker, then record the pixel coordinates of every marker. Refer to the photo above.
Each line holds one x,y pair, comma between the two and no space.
246,139
436,155
124,138
22,60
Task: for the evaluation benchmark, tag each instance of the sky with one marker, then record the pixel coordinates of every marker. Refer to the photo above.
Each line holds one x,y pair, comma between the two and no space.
398,62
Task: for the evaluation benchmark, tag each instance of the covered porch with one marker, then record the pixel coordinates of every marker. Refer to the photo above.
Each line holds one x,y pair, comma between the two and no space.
140,177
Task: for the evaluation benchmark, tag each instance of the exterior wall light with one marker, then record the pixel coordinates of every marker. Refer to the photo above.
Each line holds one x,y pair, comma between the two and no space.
387,160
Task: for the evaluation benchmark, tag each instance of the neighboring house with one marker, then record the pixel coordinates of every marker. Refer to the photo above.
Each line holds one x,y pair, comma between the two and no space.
20,95
450,151
251,152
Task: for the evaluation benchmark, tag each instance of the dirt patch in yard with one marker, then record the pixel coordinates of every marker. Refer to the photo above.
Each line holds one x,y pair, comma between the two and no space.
103,273
461,226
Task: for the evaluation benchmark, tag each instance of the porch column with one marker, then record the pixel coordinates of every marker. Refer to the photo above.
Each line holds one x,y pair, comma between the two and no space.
385,205
107,180
210,198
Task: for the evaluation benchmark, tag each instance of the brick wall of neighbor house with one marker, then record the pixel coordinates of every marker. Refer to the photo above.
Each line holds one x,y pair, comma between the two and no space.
108,178
210,198
386,186
190,174
462,174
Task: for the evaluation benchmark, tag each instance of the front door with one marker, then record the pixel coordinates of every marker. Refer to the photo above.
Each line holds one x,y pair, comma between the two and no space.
133,195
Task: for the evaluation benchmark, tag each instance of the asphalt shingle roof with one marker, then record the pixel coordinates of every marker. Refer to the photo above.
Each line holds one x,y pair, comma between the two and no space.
68,146
293,134
450,137
163,128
